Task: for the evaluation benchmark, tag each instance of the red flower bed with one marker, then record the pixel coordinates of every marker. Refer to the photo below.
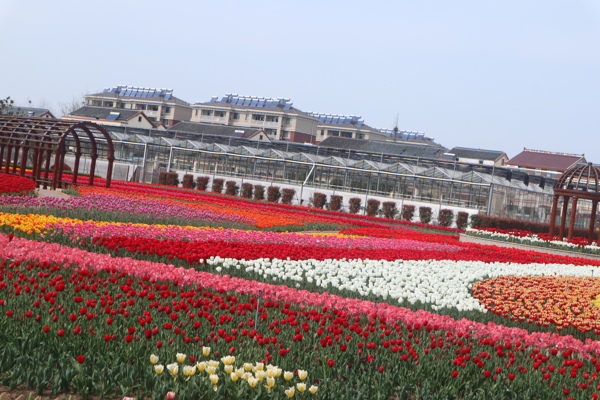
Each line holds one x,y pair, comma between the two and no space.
388,233
12,184
192,252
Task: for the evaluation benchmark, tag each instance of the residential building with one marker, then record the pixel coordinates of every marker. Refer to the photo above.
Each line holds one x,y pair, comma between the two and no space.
157,104
276,117
29,112
114,117
477,156
545,163
345,126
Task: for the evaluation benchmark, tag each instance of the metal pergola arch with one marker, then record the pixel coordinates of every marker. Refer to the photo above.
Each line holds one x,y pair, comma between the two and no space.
579,182
48,138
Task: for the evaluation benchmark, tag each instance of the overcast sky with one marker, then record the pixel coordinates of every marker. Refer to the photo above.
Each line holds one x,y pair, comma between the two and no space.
499,75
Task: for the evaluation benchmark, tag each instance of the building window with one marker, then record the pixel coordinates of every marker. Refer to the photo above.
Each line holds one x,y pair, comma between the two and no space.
166,122
153,108
346,134
96,103
196,113
273,118
108,104
206,113
219,113
167,110
139,119
260,137
140,106
121,105
236,115
287,121
258,117
360,136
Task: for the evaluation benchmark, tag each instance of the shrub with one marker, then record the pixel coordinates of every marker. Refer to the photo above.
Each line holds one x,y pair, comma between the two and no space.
461,219
335,202
408,212
354,205
319,200
168,178
389,209
247,190
273,194
188,181
259,192
445,217
425,214
372,207
287,195
217,185
202,182
162,178
231,188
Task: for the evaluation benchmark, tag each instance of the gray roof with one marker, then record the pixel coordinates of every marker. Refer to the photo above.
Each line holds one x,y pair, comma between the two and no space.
30,111
105,113
211,129
477,154
392,148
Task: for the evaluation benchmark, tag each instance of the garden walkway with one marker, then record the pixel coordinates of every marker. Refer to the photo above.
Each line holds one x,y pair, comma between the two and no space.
473,239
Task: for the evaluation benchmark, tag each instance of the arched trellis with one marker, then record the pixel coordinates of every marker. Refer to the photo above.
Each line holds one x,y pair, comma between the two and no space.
579,182
50,138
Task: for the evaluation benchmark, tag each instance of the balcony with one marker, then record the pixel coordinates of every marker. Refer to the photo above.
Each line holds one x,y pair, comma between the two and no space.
264,123
212,118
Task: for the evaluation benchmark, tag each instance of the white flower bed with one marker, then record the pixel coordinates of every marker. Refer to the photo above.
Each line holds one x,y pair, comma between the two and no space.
442,283
534,240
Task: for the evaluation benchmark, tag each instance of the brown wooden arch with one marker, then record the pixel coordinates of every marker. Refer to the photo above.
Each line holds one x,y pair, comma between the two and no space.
48,138
579,182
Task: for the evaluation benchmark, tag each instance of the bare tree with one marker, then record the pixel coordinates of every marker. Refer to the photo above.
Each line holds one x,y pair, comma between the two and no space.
68,107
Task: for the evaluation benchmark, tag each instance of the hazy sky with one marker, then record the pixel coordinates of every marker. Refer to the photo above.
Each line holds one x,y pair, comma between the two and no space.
500,75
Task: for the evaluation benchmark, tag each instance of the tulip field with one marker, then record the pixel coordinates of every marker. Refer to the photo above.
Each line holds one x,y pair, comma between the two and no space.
157,292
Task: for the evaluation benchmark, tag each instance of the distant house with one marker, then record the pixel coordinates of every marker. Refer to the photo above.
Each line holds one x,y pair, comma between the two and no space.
276,116
545,163
31,112
476,156
192,130
345,126
159,105
114,117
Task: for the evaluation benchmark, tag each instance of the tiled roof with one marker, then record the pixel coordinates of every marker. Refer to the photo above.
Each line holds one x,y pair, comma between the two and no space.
535,159
390,148
212,129
477,154
105,113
